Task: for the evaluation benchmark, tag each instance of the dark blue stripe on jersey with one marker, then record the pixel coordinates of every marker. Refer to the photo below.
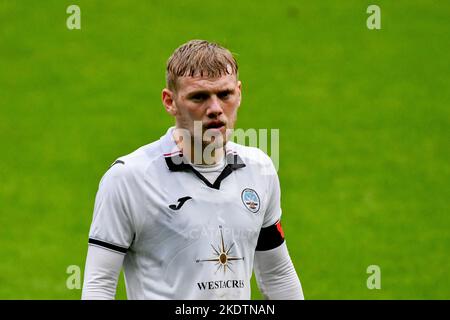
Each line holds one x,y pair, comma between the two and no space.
108,245
178,163
269,238
116,162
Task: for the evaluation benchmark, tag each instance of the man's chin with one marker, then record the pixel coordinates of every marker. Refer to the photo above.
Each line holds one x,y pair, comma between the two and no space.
215,137
215,144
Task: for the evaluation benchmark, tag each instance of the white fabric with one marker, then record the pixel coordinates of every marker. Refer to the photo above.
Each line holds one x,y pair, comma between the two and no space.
210,172
167,249
101,274
276,276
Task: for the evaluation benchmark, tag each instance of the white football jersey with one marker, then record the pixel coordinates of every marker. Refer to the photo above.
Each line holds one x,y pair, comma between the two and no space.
184,236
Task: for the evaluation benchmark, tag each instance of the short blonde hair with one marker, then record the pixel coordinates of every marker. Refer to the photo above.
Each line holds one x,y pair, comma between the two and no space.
199,58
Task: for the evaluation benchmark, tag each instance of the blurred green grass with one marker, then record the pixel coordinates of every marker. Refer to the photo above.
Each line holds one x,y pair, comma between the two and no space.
363,118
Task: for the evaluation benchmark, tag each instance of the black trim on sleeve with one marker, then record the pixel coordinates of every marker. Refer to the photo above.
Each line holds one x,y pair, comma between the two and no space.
107,245
270,237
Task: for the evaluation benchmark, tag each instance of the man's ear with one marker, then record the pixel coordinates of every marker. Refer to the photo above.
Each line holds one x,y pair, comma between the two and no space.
239,85
168,100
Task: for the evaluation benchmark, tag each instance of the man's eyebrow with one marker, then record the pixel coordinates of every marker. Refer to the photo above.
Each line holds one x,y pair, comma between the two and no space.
226,90
207,92
197,92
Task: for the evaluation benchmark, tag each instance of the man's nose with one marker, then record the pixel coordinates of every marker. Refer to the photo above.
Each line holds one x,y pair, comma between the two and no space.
214,107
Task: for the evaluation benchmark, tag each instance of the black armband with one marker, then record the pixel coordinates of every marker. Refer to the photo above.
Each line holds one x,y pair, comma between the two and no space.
270,237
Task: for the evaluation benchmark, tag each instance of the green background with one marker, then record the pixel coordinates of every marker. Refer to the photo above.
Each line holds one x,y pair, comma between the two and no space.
363,118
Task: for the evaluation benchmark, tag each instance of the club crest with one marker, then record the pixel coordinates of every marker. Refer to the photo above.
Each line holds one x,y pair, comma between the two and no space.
251,200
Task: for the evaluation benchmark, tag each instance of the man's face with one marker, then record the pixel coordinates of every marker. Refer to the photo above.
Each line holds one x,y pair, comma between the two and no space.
211,101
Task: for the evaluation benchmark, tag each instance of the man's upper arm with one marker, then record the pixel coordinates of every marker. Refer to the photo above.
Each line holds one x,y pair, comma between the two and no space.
271,235
101,274
111,234
112,226
274,270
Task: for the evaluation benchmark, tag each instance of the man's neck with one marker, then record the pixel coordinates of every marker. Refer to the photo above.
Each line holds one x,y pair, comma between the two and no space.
199,153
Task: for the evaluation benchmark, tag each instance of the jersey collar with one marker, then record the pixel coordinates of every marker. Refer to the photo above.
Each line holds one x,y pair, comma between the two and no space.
176,162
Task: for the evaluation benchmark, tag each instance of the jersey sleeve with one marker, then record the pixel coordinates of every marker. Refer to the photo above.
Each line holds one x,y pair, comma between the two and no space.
273,208
101,274
276,276
271,234
112,226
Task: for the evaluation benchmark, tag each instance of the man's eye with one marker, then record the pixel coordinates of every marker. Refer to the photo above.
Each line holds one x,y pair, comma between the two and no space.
224,95
199,97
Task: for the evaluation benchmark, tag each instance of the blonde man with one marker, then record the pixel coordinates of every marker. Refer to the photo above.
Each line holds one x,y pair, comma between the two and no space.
190,216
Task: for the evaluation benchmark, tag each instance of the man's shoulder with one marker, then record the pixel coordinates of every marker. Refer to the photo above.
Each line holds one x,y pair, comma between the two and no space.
142,156
136,163
251,156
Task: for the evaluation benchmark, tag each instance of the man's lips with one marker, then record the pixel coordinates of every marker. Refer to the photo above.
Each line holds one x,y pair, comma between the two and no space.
215,125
